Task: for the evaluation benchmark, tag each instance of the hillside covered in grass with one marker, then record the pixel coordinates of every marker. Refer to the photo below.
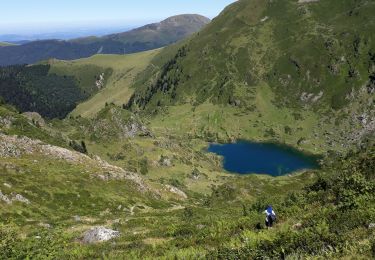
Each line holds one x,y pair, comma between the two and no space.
118,74
131,159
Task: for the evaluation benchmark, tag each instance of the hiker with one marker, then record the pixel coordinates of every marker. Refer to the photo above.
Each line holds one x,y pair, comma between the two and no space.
270,216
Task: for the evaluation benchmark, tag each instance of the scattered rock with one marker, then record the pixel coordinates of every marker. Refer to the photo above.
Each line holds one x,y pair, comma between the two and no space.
8,199
371,225
200,226
20,198
77,218
307,97
165,161
45,225
297,226
99,234
176,191
264,19
5,198
7,185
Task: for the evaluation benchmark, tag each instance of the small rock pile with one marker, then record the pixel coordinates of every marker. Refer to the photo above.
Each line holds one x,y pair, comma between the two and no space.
9,199
99,234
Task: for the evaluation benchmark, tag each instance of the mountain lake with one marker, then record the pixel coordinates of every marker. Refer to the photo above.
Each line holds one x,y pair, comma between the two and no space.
246,157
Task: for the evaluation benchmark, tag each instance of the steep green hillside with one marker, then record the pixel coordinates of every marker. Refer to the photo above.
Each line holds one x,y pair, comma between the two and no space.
299,49
118,72
145,38
308,66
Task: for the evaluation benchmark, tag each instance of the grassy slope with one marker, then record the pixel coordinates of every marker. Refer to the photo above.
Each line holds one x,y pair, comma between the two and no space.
6,44
122,70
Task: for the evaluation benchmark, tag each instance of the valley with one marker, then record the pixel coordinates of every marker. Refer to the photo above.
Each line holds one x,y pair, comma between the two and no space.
115,164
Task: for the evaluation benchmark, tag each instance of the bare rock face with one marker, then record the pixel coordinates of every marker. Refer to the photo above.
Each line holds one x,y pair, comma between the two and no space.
35,118
99,234
99,83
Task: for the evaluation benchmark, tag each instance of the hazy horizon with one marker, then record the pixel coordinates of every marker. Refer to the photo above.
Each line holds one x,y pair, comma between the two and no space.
87,17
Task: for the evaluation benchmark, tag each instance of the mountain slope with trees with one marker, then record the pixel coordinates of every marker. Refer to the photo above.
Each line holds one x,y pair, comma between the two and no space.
299,72
36,89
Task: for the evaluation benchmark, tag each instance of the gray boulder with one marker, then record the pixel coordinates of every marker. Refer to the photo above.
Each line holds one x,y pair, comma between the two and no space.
99,234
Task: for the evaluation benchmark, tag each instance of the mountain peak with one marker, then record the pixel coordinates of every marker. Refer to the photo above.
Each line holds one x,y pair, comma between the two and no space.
178,20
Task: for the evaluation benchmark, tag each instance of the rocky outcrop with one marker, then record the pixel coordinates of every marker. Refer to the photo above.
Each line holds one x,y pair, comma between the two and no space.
311,97
99,83
165,161
117,124
99,234
35,118
111,172
16,146
176,191
6,122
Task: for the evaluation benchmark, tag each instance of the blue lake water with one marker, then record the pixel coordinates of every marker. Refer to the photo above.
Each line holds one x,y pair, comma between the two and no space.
263,158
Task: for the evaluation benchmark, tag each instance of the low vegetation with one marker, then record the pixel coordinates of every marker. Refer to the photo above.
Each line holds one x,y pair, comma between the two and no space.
133,161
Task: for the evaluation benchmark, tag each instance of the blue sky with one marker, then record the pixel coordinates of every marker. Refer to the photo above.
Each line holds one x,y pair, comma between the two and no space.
40,16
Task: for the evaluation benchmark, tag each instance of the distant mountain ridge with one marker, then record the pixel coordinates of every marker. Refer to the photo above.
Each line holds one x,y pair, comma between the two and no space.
148,37
3,44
